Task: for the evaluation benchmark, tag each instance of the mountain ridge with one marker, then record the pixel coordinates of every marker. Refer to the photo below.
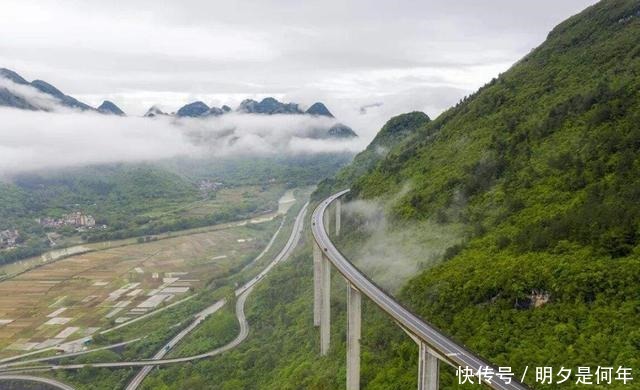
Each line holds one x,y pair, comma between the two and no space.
269,106
10,99
108,107
196,109
319,109
192,110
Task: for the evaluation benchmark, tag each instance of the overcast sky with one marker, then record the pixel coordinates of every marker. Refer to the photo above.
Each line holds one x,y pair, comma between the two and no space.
422,54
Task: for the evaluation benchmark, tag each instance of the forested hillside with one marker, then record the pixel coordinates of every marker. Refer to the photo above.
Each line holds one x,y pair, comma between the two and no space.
541,166
393,133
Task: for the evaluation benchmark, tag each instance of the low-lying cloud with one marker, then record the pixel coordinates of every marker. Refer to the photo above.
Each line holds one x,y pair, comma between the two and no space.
240,134
37,140
391,254
33,140
35,98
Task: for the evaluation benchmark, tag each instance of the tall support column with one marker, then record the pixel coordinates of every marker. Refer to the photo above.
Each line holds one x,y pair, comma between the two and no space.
325,311
317,284
326,219
354,307
338,212
428,369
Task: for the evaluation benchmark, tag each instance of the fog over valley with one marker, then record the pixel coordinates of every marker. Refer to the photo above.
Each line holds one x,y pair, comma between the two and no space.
35,140
47,131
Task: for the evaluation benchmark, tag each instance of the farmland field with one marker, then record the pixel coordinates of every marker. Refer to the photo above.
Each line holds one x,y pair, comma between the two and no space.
224,200
78,295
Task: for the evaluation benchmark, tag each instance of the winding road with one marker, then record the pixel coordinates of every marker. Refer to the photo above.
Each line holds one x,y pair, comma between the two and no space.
67,355
29,378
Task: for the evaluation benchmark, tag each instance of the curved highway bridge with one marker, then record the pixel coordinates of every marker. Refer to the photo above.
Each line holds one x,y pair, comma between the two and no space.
434,346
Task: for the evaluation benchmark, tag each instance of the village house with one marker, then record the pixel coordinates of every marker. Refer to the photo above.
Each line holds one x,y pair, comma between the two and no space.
9,239
79,219
210,185
75,219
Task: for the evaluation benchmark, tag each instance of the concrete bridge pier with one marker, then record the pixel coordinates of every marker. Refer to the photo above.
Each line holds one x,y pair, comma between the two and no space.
325,310
326,220
354,323
317,284
338,212
428,368
428,364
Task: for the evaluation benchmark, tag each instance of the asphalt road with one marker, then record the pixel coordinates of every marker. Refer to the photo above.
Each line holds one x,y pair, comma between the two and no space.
67,355
450,351
201,316
29,378
137,380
